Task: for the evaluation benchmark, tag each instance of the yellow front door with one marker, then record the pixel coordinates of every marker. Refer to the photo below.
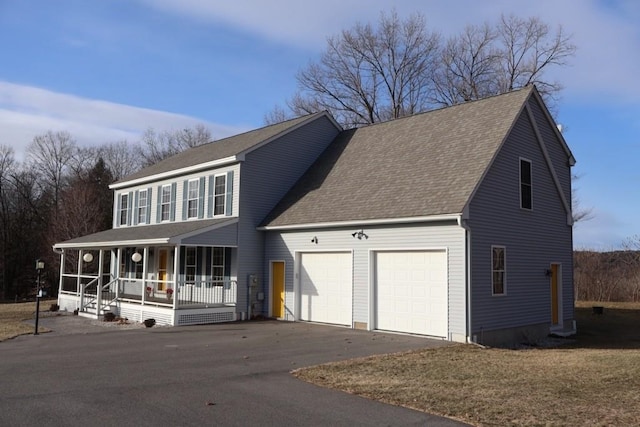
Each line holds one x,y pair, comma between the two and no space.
277,286
163,256
554,294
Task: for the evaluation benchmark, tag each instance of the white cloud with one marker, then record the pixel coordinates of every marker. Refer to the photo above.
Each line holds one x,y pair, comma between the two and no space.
27,111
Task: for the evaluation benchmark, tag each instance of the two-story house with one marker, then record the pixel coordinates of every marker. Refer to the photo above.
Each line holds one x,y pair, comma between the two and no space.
455,223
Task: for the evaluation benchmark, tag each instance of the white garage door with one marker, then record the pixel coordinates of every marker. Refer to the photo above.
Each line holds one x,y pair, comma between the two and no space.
325,287
411,292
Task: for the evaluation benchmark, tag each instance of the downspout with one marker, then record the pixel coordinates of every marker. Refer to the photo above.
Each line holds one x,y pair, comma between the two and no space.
463,223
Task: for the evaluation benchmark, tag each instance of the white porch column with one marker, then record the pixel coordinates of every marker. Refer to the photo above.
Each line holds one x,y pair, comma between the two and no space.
79,282
176,271
99,284
145,267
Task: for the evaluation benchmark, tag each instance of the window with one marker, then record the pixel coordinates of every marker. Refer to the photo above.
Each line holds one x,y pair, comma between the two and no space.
526,193
190,265
192,198
142,206
217,266
124,208
498,269
165,203
219,194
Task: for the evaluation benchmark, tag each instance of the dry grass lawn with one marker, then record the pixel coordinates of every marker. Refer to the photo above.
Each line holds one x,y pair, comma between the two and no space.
595,380
12,317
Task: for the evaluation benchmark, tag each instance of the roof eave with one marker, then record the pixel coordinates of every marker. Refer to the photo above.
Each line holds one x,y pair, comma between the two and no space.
177,172
364,222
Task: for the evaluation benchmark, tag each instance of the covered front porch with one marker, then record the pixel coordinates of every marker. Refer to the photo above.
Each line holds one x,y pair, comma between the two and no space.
178,279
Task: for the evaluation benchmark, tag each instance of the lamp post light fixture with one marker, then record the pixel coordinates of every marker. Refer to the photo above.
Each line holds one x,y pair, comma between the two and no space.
39,268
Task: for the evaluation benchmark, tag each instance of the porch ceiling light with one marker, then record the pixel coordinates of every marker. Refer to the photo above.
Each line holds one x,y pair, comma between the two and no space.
136,257
88,257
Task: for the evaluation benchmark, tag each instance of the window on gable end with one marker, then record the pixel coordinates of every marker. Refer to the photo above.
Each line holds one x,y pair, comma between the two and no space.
526,188
498,270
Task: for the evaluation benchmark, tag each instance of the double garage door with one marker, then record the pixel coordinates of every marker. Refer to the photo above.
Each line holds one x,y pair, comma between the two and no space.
409,290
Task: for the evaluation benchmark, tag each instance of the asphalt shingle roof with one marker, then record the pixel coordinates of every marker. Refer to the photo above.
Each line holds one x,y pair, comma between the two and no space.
143,232
216,150
422,165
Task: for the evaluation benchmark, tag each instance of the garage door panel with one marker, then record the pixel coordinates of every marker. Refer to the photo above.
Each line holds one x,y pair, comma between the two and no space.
325,287
411,292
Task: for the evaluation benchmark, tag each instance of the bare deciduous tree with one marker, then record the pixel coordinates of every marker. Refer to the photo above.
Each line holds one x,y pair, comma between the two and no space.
121,158
50,155
369,74
158,146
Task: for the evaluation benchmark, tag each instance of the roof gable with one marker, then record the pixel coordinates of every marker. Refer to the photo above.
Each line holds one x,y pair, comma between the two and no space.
209,154
423,165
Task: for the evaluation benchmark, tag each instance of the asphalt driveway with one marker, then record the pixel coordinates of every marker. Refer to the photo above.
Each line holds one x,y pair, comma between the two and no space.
234,374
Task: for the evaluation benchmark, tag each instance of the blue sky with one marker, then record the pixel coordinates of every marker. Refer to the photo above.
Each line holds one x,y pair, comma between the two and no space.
107,70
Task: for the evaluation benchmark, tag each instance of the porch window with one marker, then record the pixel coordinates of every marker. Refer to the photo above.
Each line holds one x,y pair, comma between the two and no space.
219,196
498,270
165,204
124,208
192,198
217,266
190,264
526,187
142,206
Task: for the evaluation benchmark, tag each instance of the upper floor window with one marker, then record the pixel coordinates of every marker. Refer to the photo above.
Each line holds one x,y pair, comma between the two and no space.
142,206
526,190
124,208
498,270
165,203
193,193
219,195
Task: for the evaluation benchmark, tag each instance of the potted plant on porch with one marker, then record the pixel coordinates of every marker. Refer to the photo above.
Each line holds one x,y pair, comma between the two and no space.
169,293
149,291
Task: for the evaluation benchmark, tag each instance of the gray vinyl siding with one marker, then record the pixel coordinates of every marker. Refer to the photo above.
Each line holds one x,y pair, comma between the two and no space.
285,245
533,238
266,175
225,236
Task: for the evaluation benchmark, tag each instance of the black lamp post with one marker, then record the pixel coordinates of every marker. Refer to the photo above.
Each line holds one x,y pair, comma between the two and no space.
39,268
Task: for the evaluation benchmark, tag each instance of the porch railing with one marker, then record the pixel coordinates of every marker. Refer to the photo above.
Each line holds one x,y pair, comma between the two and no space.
205,293
152,292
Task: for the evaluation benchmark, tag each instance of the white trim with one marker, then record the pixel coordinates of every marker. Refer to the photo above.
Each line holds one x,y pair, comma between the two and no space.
407,220
176,172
